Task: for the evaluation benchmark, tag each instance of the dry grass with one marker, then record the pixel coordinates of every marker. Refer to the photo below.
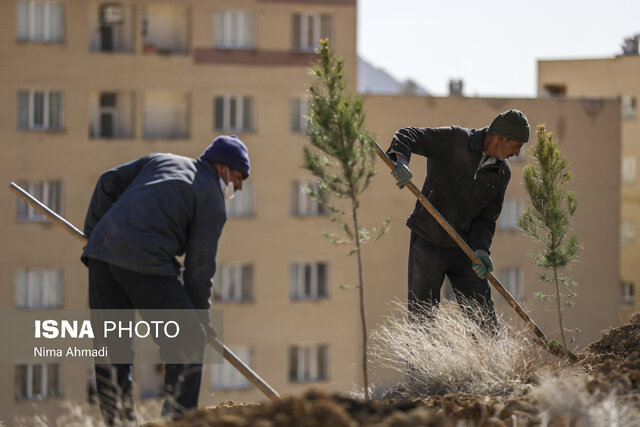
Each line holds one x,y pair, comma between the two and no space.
564,393
450,353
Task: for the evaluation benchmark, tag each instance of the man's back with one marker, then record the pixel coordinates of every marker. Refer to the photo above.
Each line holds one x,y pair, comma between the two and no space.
157,198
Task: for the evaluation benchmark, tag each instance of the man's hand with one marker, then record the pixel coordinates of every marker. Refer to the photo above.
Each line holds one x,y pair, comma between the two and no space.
485,267
401,173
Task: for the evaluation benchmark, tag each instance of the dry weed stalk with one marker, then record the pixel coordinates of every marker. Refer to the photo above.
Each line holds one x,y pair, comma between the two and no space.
450,353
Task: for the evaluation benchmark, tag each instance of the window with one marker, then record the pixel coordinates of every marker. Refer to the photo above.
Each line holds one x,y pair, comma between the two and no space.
511,279
628,170
242,202
233,283
627,294
40,21
233,113
627,232
234,29
165,28
299,107
48,192
166,115
111,27
309,29
39,110
555,91
38,288
111,115
308,281
225,376
308,363
511,210
38,381
628,103
305,205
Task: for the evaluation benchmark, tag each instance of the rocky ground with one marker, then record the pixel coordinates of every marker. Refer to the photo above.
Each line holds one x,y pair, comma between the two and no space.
608,372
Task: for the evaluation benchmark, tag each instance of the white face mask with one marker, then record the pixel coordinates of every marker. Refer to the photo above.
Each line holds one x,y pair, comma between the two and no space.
228,189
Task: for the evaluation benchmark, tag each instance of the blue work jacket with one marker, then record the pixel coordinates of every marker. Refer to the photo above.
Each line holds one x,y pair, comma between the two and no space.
145,213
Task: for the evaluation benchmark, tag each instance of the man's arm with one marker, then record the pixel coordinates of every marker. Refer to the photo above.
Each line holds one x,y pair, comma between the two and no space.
200,258
426,142
483,226
110,186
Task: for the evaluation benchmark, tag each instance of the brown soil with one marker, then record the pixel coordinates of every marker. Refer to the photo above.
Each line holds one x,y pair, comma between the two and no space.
612,365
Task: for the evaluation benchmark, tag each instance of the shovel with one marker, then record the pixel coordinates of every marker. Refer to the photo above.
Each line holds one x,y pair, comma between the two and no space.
556,350
213,340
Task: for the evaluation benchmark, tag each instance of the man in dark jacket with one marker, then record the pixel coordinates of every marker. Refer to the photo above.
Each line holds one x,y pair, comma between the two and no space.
467,176
143,215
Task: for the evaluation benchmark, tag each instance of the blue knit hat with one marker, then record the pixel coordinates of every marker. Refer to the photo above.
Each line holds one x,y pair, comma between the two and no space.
229,151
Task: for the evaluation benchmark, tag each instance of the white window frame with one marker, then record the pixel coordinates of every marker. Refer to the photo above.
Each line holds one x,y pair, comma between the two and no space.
43,393
239,124
511,211
628,169
46,94
627,294
303,21
226,377
242,204
629,107
230,283
234,29
302,203
512,280
300,290
299,111
31,213
46,18
42,288
627,231
307,360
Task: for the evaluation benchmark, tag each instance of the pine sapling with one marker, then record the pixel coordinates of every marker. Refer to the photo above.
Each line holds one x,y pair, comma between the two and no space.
341,157
549,219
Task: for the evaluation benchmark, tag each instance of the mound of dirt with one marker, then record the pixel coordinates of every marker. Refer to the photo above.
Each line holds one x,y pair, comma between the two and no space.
612,367
617,343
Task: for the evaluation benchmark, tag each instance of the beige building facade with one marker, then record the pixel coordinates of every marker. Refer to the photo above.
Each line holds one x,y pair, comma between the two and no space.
615,77
90,85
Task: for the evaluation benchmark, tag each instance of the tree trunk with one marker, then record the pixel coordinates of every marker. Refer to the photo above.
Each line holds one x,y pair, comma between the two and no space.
559,305
365,376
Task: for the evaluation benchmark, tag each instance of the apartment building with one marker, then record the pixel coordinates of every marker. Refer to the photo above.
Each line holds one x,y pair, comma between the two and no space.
90,85
614,77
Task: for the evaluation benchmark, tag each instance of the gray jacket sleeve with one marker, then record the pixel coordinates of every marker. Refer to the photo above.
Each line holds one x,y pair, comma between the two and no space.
200,258
110,186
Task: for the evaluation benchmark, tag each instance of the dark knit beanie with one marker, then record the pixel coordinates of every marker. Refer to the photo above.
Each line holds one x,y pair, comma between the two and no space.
229,151
511,124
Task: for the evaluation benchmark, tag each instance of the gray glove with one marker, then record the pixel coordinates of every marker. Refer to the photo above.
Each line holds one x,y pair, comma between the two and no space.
486,267
401,173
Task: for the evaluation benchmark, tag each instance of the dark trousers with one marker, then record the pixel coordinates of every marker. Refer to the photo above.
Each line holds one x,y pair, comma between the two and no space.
112,287
428,265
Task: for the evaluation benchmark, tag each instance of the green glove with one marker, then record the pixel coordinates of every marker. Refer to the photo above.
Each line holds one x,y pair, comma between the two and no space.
486,267
401,173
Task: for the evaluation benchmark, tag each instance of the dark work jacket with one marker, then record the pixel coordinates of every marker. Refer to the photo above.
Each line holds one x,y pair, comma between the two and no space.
145,213
469,199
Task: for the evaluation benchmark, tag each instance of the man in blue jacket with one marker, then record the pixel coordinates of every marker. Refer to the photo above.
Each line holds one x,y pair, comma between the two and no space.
143,215
467,176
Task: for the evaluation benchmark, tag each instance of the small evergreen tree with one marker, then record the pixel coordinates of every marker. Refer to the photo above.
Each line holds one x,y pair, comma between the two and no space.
341,157
549,219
